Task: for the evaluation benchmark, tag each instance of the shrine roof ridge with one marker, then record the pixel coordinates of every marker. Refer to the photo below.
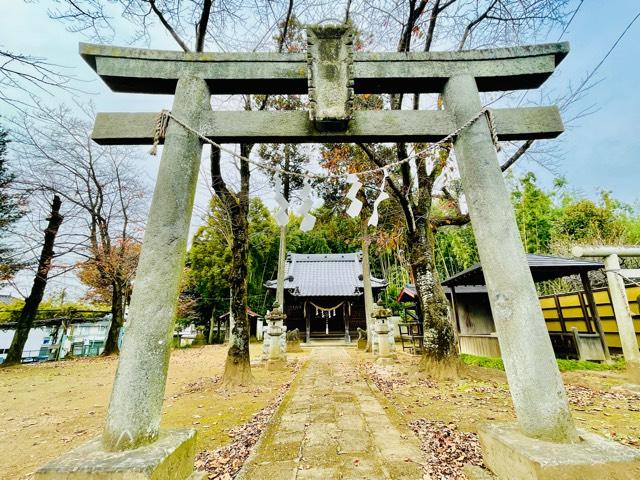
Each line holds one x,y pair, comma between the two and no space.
543,267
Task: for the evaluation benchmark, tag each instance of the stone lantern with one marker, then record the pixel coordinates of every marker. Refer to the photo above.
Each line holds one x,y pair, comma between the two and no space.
381,315
275,319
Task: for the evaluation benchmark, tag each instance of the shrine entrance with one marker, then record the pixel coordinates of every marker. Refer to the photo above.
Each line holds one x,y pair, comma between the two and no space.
330,72
329,321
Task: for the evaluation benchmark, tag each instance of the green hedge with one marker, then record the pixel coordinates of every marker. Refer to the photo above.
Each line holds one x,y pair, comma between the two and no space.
563,365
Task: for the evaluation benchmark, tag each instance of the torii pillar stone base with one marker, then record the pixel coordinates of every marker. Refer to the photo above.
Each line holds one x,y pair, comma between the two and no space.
511,455
168,458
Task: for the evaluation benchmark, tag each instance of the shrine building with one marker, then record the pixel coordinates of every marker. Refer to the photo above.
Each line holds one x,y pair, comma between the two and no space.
324,294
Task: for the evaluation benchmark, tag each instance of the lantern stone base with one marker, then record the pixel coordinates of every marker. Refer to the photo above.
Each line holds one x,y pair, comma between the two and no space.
168,458
511,455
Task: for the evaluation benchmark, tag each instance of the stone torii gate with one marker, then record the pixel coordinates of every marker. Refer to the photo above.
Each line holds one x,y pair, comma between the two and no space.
330,72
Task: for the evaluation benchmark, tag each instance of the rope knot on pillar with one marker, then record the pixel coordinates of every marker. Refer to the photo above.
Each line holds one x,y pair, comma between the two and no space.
160,130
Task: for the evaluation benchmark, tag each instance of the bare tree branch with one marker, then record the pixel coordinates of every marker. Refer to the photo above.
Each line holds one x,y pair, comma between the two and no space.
201,27
167,26
437,222
516,156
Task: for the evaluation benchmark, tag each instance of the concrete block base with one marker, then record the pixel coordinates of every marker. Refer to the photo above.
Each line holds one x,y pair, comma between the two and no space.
632,388
633,372
473,472
511,455
385,360
168,458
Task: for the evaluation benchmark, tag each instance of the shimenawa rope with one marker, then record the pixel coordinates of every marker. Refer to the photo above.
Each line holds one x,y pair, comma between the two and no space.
164,116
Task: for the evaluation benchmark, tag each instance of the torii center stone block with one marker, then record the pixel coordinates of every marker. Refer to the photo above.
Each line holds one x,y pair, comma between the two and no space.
132,444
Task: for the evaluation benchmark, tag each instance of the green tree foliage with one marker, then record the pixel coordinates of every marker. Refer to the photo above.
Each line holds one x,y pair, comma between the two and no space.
585,221
334,232
534,213
210,259
550,222
10,210
456,250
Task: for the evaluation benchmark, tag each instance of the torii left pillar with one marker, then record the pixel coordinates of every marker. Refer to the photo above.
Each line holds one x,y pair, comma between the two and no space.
132,445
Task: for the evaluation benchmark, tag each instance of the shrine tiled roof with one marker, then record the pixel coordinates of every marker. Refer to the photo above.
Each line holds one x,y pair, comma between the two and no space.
325,275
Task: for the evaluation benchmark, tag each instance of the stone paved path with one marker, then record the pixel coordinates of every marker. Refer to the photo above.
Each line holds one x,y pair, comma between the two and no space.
331,425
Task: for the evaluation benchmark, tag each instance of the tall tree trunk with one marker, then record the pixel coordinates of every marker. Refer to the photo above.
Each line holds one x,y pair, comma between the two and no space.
117,318
237,370
440,358
30,309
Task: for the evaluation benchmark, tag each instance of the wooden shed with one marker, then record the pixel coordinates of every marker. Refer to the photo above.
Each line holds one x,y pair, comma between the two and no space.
474,323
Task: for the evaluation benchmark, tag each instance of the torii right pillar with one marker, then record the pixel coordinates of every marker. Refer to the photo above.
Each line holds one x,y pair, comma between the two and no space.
545,444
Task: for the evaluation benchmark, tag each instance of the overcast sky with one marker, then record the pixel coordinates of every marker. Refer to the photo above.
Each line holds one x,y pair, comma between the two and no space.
599,152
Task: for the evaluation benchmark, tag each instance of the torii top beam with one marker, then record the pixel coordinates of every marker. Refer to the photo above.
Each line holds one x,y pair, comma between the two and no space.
330,73
137,70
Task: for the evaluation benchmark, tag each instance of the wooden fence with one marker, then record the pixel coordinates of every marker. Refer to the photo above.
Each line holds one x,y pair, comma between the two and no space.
566,310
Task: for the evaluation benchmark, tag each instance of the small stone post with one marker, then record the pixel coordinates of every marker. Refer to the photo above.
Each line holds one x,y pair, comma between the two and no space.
380,316
275,318
624,317
535,383
618,294
133,418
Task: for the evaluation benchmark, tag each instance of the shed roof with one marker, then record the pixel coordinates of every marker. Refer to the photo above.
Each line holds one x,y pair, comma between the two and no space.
408,292
325,275
543,267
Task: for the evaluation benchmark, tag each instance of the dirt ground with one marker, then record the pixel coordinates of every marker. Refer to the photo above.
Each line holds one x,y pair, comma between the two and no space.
47,409
446,414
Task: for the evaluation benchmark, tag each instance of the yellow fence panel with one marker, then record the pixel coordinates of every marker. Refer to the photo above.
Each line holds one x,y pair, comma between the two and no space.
573,312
